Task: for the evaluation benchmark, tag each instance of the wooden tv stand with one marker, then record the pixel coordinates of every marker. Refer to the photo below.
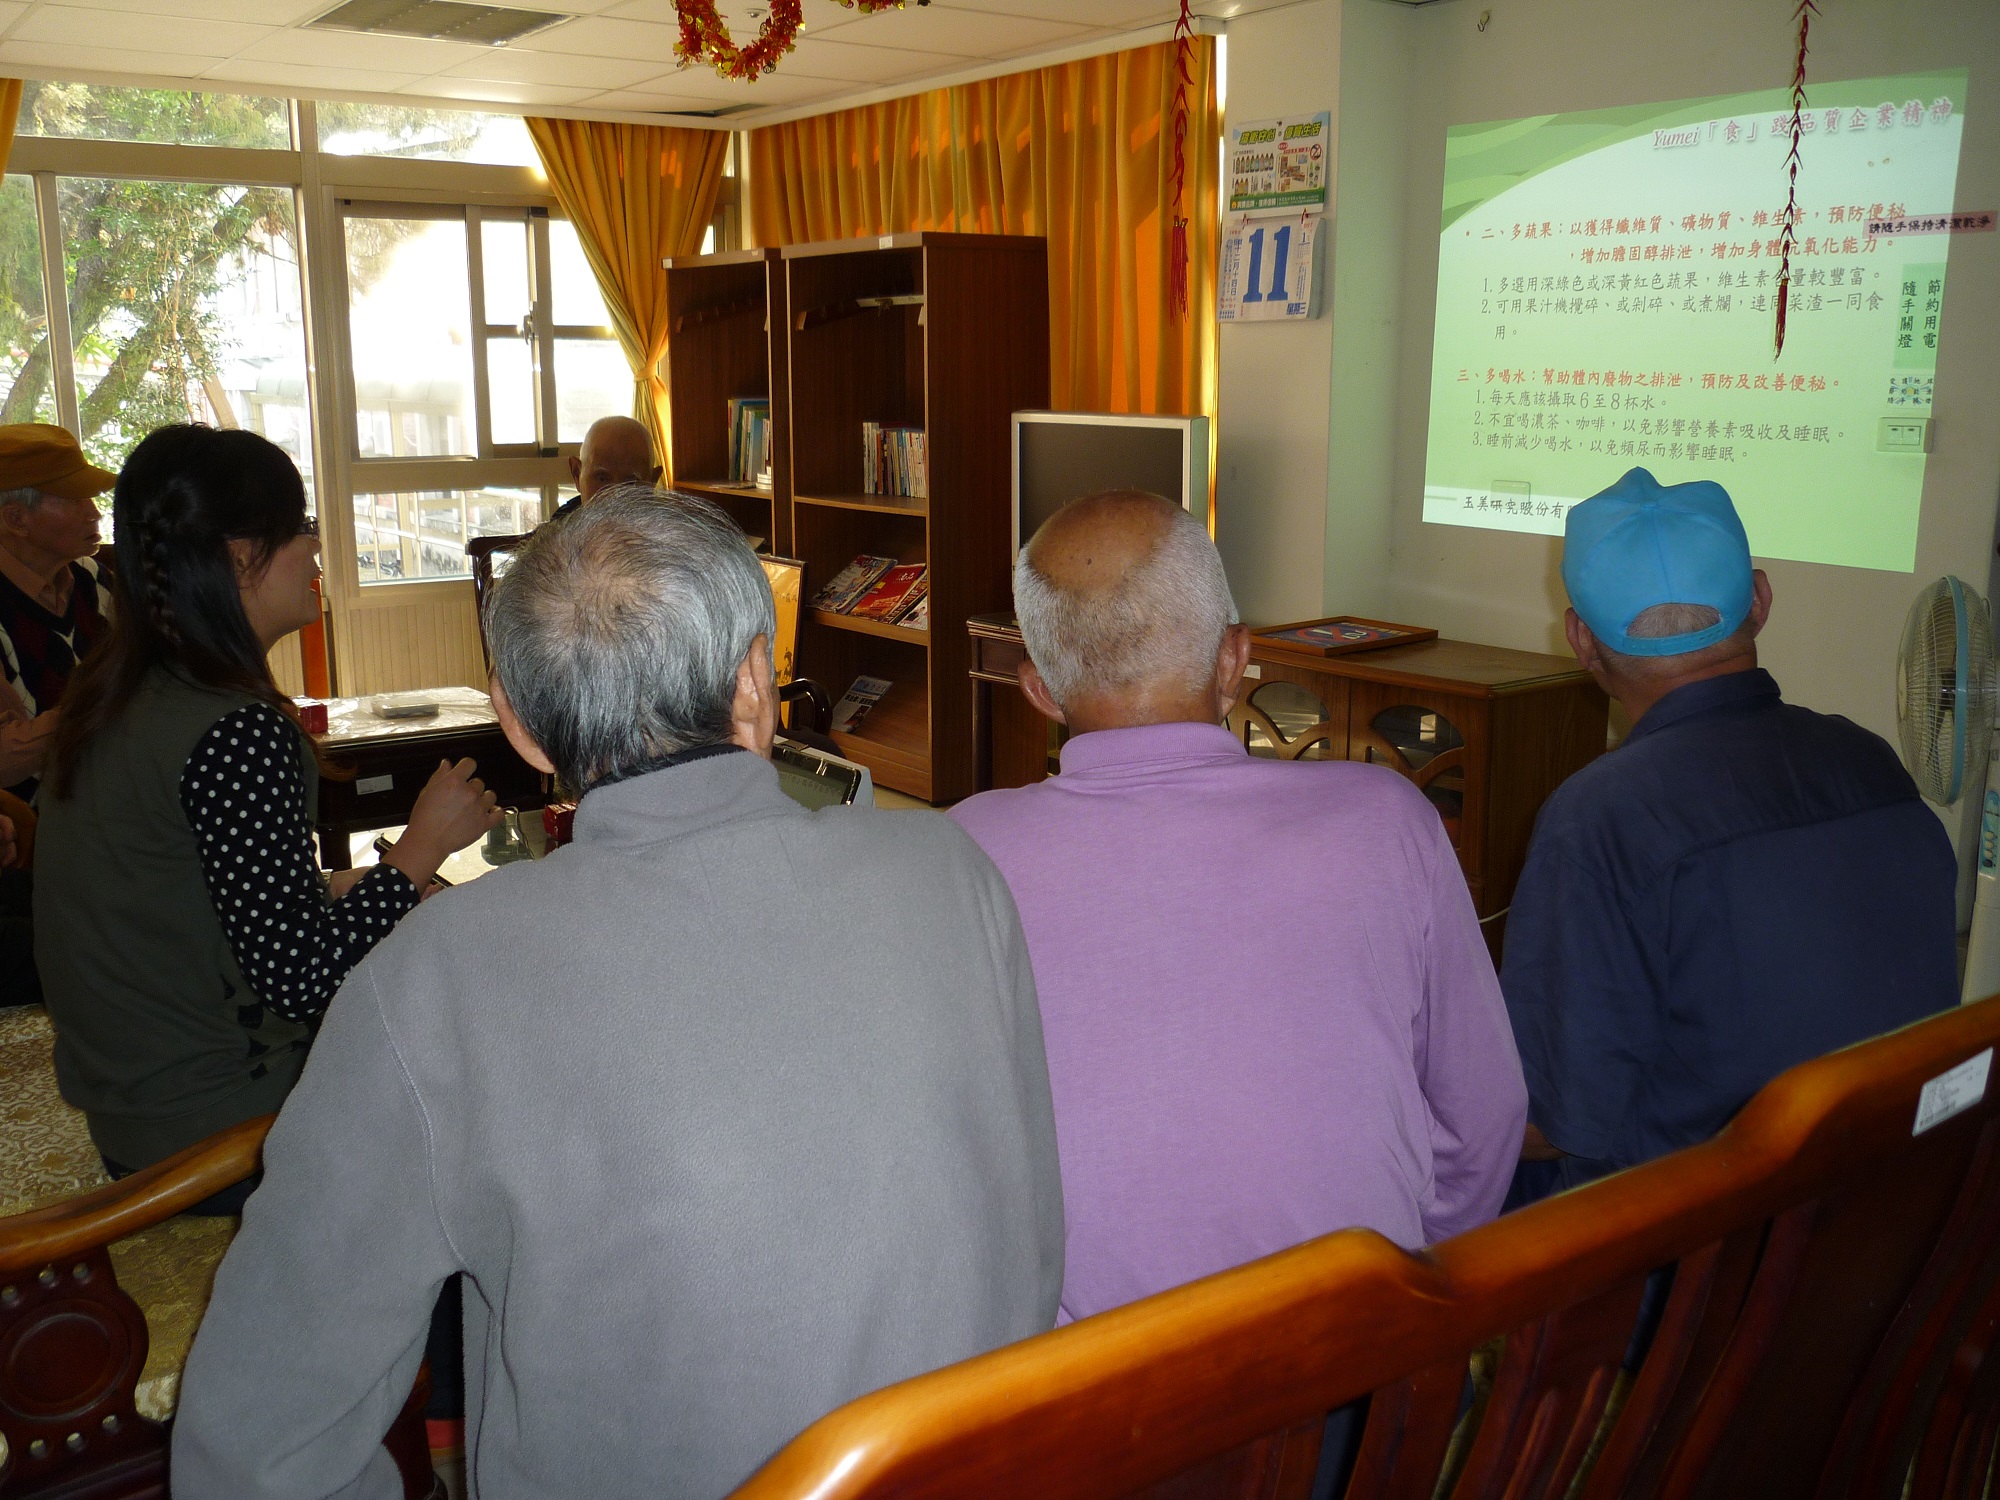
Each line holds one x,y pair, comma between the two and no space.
1486,732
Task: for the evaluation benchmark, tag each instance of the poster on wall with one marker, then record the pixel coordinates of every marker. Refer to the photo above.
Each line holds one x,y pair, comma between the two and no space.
1280,166
1269,271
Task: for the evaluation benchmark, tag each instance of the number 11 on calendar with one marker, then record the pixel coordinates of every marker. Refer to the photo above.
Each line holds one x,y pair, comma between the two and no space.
1268,271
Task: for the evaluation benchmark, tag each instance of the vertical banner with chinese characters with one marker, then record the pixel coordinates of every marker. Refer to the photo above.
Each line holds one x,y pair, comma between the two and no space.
1605,286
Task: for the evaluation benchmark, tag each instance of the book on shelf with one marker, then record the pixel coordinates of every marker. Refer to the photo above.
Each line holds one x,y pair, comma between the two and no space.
894,461
749,438
861,696
851,582
919,617
894,595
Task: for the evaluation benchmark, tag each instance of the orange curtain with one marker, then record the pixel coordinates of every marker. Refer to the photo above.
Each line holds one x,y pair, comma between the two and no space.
10,116
636,193
1081,153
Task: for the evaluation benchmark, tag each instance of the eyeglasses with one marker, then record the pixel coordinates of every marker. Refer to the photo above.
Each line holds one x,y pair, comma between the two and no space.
309,526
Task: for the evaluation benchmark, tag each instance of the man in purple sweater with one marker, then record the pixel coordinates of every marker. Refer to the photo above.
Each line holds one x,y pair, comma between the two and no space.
1268,1009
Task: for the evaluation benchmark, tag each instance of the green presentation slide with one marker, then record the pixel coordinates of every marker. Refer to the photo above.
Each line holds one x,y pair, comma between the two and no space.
1607,283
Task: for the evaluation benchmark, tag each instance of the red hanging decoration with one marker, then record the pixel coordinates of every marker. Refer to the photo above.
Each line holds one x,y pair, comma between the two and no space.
1177,247
1789,223
705,38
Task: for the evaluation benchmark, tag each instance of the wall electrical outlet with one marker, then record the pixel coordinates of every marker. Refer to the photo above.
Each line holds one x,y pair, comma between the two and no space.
1903,435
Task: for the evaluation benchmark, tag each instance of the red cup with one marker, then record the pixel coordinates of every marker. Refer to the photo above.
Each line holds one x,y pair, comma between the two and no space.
558,822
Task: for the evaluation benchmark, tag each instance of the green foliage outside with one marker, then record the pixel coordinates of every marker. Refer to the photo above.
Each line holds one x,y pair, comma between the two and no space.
145,259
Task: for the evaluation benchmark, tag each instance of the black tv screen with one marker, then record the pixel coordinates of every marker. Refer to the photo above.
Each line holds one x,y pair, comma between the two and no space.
1060,457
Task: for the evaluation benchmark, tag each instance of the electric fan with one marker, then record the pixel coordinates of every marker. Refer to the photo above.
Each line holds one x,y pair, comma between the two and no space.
1944,716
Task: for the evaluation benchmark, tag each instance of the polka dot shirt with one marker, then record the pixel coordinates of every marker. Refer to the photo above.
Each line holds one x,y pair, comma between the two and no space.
244,794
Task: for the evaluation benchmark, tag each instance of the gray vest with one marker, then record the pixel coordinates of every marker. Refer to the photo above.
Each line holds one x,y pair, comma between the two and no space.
160,1039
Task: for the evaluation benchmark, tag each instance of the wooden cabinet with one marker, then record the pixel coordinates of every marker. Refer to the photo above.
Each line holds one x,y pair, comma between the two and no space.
948,333
1485,732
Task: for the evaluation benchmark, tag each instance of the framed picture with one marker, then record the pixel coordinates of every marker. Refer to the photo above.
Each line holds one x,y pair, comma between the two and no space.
1339,635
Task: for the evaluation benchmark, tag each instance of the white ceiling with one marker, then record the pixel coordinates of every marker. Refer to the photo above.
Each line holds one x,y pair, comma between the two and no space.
611,56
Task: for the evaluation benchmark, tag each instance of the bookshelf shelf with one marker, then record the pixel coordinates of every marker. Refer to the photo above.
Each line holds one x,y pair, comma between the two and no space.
863,626
722,487
888,505
944,333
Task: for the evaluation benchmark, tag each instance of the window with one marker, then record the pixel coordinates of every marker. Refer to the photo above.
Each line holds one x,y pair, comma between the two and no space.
27,393
430,380
425,134
91,112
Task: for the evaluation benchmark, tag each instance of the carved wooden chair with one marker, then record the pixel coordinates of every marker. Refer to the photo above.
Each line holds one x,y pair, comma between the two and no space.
1835,1301
72,1342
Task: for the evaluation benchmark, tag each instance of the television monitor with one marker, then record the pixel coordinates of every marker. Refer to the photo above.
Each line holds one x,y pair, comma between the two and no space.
1060,456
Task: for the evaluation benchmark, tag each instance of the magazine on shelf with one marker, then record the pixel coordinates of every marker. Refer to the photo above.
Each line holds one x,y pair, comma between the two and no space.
894,595
861,696
919,617
894,461
851,582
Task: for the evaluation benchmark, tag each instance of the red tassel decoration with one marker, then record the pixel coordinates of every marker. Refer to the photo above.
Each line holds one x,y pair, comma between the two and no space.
1789,222
1177,244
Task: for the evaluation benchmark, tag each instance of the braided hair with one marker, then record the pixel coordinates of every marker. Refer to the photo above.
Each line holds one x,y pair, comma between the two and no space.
185,493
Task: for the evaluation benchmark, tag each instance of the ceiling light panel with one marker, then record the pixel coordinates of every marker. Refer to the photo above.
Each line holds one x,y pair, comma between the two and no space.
438,20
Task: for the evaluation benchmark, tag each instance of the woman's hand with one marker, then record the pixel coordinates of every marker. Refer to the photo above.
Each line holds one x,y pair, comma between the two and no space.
340,882
453,810
8,853
24,747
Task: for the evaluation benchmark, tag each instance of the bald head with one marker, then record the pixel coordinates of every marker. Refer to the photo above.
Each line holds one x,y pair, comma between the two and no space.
616,450
1126,613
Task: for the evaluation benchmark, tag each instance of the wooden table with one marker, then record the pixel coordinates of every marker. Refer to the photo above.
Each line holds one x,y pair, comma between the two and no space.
393,758
1487,733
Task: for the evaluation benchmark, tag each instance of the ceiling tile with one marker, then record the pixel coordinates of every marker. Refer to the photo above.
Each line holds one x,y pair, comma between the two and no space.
967,33
299,77
494,91
269,12
592,73
70,59
816,58
716,92
600,36
66,23
651,104
10,12
354,49
1119,13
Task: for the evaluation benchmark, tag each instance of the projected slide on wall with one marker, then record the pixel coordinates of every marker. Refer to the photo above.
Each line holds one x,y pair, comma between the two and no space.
1606,285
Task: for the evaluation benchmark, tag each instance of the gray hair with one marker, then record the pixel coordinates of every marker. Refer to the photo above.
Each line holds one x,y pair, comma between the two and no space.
27,497
618,630
1664,620
1163,622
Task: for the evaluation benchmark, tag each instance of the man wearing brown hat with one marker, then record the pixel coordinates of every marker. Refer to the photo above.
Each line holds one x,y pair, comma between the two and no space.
54,598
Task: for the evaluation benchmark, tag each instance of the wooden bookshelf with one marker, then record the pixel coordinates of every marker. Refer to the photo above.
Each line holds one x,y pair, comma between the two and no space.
946,332
726,320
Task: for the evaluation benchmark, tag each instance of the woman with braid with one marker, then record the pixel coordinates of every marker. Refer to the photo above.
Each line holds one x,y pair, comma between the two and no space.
188,941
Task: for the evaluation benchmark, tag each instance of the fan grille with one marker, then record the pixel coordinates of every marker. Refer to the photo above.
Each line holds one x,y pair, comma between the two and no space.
1945,691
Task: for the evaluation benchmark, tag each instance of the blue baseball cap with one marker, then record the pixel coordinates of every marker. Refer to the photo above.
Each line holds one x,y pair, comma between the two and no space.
1641,544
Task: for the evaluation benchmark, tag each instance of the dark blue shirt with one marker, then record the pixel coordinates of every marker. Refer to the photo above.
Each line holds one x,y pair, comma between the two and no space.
1742,885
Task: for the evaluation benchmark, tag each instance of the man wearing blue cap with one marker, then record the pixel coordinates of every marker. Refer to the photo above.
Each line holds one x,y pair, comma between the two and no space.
1743,884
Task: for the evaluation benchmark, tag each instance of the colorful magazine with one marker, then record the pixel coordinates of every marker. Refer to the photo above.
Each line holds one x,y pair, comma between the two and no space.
854,704
891,597
851,582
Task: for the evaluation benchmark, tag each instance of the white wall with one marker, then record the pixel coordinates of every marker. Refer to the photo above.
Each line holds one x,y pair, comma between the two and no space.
1271,457
1323,509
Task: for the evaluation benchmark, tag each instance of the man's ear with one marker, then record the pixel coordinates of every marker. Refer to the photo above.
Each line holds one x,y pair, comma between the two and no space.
576,468
1760,601
1581,642
1037,692
1231,658
517,734
653,475
754,714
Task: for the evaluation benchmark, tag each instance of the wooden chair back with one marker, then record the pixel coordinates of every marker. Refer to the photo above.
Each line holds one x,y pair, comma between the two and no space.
73,1342
1836,1289
480,551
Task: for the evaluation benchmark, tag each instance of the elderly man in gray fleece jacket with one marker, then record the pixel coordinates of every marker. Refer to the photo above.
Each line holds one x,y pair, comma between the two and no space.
730,1111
